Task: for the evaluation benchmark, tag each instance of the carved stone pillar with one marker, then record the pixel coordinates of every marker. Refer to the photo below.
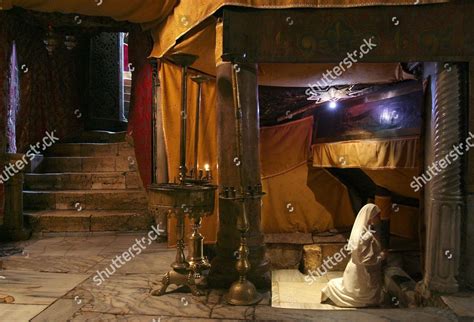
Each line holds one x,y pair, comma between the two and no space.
223,271
443,217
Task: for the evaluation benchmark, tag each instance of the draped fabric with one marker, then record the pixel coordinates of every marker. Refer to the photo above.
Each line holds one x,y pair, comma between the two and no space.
390,164
170,20
401,153
405,222
385,205
284,147
395,180
403,219
186,15
138,11
202,40
298,198
190,13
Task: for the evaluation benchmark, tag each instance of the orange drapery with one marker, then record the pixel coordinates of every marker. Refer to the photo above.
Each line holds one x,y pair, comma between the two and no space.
188,14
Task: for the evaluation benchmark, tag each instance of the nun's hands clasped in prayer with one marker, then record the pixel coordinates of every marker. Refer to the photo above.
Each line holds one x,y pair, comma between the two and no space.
361,284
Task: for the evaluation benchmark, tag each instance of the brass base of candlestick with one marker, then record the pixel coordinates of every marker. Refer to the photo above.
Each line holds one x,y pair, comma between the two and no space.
178,279
196,259
243,292
182,201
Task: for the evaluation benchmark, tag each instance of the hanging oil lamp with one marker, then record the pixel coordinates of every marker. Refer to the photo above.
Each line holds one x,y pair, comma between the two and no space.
70,42
50,40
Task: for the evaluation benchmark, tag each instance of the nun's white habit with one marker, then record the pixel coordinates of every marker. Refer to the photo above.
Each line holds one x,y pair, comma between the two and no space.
361,284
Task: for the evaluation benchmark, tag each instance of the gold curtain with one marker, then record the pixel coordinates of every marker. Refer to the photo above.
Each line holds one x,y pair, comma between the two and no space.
371,154
139,11
390,163
405,222
190,13
201,40
298,198
395,180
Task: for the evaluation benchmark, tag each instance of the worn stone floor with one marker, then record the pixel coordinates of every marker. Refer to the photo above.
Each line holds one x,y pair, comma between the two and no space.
52,280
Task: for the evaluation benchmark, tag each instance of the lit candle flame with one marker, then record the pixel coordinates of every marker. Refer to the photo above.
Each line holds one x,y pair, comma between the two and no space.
207,167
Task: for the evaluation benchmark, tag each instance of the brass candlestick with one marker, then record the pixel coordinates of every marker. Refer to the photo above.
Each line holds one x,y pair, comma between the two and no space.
241,292
194,199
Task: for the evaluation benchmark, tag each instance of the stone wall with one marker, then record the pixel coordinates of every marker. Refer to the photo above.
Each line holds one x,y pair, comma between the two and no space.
51,88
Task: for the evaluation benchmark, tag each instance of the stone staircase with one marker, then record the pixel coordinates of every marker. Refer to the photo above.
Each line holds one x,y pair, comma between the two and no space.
89,184
127,91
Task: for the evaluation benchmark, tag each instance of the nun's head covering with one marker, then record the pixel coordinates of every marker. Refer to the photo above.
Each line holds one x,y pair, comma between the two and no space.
361,224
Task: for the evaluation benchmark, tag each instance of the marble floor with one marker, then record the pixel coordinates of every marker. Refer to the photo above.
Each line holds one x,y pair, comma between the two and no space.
52,280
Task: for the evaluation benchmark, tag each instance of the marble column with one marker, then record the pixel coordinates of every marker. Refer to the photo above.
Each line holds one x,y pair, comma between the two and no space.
223,271
443,192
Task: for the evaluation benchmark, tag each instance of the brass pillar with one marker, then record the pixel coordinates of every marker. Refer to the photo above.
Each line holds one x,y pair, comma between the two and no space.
223,272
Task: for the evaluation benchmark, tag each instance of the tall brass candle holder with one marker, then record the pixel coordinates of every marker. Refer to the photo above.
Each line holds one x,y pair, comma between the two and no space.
242,291
193,197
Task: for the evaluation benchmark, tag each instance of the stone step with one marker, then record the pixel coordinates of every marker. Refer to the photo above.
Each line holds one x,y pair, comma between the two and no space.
89,150
82,181
85,200
98,137
303,250
86,164
87,221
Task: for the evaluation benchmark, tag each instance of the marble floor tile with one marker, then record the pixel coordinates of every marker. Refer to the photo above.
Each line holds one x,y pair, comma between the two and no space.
37,288
53,281
51,264
59,311
19,312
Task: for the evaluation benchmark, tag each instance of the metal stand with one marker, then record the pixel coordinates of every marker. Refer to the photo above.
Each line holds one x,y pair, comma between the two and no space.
195,202
193,196
242,292
183,272
196,259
